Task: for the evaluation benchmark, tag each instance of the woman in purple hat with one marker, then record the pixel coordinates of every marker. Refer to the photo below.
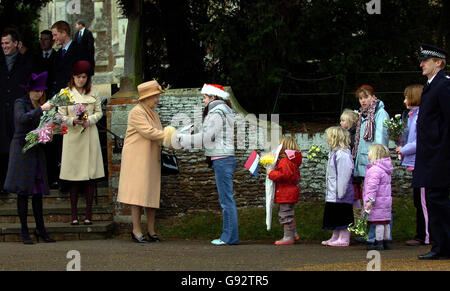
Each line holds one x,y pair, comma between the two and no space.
81,161
27,172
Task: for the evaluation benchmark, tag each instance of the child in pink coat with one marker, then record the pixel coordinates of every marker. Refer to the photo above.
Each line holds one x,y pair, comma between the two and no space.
377,186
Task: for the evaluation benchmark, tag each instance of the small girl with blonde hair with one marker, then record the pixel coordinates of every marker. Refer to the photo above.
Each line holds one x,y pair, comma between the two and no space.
377,187
338,213
348,121
286,175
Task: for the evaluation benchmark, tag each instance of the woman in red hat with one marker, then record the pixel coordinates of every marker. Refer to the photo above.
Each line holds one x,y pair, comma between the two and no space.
27,172
81,162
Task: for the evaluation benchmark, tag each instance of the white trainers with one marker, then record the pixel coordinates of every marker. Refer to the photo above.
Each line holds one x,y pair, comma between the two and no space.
218,242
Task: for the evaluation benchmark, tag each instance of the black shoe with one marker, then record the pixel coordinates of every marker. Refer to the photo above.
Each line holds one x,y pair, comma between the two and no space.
44,236
153,238
387,244
429,256
3,191
138,239
377,245
54,185
26,239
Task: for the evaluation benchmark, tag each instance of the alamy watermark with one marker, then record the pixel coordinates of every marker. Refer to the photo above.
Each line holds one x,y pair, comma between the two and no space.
226,130
75,263
73,7
375,261
373,7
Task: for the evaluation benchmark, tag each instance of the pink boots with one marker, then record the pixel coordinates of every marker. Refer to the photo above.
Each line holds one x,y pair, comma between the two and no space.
290,235
333,238
340,238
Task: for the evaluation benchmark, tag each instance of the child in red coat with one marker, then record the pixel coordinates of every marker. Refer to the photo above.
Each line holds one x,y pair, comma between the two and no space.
286,175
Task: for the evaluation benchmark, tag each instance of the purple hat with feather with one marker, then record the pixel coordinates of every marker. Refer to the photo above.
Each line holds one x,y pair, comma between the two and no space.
36,82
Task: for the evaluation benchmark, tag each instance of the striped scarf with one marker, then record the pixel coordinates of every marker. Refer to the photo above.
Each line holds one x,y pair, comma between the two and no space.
370,124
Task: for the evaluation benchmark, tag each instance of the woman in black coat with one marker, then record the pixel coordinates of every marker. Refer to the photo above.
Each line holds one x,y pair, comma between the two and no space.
27,172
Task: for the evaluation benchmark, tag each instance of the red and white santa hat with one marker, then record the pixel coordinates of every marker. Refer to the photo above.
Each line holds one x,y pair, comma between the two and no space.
215,90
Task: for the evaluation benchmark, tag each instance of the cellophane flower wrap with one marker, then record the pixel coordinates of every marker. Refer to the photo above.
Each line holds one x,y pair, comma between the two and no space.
51,122
316,154
268,160
395,128
360,228
80,111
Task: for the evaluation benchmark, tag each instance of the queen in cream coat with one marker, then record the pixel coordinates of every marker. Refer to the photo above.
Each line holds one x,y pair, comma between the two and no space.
81,155
140,170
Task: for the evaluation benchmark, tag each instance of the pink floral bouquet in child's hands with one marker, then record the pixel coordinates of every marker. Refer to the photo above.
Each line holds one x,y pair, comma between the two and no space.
80,111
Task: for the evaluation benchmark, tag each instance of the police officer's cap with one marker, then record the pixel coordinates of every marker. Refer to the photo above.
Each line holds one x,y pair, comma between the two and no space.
429,51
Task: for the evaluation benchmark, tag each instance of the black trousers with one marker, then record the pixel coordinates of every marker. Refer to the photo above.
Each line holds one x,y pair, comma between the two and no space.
438,204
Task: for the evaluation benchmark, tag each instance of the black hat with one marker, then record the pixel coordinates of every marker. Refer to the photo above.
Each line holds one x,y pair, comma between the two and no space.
429,51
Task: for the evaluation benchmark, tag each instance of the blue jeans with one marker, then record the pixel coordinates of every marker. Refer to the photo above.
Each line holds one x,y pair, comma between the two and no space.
224,172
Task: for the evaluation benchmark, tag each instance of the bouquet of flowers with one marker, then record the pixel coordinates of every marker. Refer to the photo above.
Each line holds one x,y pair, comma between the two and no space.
80,111
51,122
395,128
316,154
267,160
360,228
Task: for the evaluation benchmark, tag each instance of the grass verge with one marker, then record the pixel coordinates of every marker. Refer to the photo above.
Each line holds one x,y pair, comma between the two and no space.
252,226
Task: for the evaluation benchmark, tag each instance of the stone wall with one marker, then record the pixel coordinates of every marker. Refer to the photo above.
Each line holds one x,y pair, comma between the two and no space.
194,189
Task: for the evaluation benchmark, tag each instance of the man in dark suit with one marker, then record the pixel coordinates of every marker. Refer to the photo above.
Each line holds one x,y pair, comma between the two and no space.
44,59
15,69
85,40
44,62
432,167
65,58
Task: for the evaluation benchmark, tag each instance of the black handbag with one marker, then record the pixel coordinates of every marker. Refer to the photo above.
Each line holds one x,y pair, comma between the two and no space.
169,164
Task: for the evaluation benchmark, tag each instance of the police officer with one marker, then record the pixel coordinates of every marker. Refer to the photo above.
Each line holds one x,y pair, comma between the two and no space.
432,167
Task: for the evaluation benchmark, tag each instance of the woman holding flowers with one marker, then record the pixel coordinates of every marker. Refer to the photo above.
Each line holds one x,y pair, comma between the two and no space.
369,130
81,161
217,136
27,172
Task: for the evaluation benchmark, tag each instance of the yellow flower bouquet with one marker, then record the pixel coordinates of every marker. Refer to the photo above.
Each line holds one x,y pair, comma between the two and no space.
316,154
267,160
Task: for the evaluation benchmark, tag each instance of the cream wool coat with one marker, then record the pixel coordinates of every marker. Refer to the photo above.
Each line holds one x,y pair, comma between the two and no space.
140,171
81,154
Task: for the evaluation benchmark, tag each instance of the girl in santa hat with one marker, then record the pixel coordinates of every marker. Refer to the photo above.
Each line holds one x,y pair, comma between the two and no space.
217,137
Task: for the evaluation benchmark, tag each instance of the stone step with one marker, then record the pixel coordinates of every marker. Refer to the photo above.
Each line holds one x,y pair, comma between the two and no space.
57,212
10,232
57,196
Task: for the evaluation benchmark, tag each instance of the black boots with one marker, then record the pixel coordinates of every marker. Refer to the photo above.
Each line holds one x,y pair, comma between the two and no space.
380,245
